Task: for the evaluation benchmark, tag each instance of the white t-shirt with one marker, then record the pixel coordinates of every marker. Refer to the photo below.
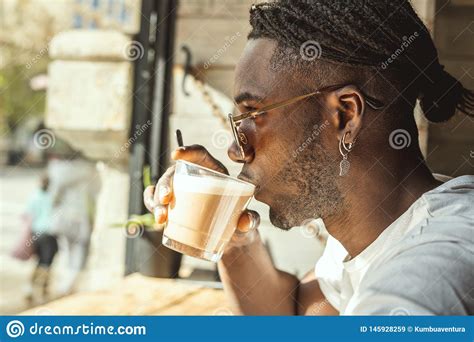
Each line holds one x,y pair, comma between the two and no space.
422,264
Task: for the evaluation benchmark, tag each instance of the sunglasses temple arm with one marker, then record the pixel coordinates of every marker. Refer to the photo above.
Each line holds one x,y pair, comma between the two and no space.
274,106
373,103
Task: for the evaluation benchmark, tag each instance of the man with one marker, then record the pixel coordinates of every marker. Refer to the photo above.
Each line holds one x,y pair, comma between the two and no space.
401,241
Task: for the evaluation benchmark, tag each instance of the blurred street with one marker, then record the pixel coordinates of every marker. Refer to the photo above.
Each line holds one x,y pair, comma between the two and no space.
103,267
16,184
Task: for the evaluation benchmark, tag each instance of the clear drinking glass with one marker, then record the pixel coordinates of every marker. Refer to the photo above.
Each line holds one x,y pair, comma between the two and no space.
204,211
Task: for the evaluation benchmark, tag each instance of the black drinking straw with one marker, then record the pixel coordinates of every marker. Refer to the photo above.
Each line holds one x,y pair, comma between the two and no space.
179,138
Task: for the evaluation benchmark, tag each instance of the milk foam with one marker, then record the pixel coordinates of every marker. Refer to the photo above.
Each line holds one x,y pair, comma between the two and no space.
212,186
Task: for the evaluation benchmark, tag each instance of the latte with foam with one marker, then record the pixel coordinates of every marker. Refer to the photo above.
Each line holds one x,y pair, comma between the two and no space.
203,214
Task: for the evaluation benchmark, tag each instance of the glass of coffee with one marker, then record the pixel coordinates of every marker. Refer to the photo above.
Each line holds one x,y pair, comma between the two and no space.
204,211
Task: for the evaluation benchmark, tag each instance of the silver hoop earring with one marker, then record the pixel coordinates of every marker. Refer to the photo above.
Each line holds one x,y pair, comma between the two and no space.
345,149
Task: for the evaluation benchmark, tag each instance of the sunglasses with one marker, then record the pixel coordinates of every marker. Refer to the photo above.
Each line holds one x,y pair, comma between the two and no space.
235,120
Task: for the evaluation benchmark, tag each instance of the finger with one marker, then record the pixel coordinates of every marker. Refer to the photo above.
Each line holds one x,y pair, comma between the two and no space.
249,220
198,154
148,197
161,214
164,187
246,231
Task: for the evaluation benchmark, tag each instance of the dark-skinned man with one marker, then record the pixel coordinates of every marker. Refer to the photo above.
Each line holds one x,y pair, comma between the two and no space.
401,240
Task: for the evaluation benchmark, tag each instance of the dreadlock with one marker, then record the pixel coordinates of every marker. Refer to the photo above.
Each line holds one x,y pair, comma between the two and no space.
367,33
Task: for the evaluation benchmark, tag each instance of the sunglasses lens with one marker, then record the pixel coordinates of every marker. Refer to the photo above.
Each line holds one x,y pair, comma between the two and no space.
235,133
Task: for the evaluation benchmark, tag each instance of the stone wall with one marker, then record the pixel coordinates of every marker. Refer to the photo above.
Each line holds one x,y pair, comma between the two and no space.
89,106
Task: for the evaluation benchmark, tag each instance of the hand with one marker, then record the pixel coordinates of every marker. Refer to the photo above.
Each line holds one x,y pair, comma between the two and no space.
157,198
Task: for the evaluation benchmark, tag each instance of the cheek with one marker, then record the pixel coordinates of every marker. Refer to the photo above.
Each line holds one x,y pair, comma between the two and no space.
289,138
278,134
275,151
290,146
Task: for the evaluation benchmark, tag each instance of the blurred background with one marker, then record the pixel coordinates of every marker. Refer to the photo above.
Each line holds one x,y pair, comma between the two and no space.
91,94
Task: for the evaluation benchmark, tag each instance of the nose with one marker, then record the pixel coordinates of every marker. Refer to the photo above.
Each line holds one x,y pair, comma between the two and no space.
234,152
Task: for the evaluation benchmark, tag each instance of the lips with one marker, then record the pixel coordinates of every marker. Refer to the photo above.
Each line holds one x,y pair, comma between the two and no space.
245,178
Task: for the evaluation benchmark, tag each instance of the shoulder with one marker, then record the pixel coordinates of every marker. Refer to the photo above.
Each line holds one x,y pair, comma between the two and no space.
455,197
448,217
429,272
450,210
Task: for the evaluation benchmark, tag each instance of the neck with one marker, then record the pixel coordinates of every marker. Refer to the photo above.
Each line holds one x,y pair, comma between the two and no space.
374,199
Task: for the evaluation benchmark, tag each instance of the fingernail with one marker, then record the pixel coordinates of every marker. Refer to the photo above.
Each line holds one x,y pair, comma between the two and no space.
254,221
163,191
158,212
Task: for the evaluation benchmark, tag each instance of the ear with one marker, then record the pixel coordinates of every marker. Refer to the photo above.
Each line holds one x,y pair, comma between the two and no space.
347,109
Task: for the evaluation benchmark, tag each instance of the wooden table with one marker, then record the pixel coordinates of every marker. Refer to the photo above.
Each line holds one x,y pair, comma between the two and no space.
140,295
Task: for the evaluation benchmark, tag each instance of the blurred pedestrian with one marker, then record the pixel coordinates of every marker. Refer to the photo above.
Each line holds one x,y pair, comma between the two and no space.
44,243
75,183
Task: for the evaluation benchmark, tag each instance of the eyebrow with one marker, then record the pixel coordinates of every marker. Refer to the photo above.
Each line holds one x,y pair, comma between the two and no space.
246,96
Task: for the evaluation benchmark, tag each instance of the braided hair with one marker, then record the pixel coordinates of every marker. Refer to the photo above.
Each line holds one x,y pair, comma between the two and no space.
386,36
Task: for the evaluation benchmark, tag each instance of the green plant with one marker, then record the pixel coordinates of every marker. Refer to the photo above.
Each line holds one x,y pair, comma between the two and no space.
19,101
